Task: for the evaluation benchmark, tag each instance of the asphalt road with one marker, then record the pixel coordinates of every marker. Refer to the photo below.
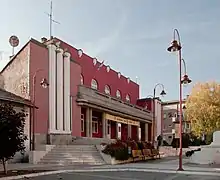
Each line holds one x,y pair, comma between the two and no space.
123,176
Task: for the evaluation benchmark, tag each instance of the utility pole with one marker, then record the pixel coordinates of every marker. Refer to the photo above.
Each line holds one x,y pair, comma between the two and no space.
51,18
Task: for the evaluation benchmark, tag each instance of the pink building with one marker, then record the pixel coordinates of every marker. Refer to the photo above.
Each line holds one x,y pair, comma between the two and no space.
84,99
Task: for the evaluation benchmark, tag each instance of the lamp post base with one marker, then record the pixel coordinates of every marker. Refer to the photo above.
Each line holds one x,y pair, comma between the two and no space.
180,169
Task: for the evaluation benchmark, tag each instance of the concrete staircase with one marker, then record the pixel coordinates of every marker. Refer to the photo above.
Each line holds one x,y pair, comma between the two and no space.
73,155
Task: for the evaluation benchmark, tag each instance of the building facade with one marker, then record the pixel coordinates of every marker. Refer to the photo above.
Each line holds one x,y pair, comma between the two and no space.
170,120
85,98
157,111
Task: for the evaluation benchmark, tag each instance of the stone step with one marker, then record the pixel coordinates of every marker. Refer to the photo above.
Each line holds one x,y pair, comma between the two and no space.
71,157
73,154
74,150
71,160
72,163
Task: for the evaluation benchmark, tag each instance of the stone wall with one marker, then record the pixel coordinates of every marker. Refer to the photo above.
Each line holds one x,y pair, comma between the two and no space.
16,74
170,151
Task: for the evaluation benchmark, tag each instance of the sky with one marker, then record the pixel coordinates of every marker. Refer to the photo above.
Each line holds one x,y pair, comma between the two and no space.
130,35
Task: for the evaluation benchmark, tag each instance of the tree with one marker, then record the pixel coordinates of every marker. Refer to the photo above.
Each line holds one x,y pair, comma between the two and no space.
12,135
203,108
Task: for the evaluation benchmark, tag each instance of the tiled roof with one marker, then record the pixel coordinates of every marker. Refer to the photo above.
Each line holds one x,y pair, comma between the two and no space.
8,96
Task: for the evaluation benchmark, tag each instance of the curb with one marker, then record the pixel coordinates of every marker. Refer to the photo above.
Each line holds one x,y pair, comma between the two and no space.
113,170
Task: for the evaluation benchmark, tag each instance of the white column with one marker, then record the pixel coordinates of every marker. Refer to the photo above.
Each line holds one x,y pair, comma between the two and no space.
60,119
146,131
87,123
104,126
52,87
67,91
129,131
90,122
139,133
118,130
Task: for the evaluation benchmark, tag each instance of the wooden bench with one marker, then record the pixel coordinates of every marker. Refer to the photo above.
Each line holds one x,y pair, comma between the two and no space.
146,153
137,155
155,153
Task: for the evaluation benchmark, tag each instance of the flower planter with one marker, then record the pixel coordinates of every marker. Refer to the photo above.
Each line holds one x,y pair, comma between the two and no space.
114,161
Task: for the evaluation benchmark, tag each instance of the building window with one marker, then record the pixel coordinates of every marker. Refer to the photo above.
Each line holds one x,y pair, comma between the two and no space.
128,98
107,90
94,84
82,122
118,94
81,79
95,127
165,115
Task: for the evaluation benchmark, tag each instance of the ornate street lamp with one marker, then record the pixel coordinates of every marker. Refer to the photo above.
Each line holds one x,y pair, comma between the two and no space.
162,93
44,83
176,47
185,79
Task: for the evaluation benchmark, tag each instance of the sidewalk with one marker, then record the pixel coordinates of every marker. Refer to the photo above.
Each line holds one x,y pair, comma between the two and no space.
165,165
26,166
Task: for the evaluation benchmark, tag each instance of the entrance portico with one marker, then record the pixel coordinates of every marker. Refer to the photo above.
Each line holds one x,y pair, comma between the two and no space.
103,116
98,124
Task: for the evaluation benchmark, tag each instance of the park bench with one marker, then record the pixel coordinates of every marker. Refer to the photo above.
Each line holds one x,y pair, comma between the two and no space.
137,155
155,153
146,153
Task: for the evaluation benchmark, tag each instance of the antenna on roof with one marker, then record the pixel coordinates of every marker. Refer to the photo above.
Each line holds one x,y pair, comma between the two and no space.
51,18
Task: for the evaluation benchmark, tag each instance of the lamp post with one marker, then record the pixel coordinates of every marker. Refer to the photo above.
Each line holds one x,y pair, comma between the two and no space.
176,46
162,93
44,84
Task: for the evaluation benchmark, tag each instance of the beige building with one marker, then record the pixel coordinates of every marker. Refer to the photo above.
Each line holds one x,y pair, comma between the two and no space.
170,120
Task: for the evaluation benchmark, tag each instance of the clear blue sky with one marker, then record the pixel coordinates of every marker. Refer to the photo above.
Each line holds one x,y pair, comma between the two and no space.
131,35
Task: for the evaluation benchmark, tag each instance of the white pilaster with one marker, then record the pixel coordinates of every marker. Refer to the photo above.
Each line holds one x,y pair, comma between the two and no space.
67,91
52,87
129,131
139,132
146,131
87,122
104,126
60,119
90,122
118,126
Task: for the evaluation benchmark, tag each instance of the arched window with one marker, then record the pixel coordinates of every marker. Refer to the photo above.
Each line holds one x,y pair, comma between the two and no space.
94,84
128,98
107,90
118,94
81,79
